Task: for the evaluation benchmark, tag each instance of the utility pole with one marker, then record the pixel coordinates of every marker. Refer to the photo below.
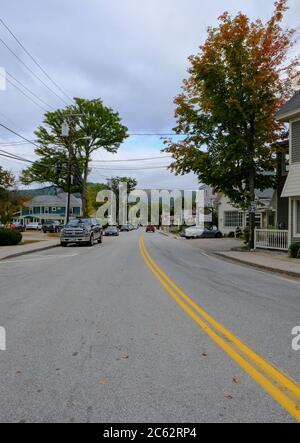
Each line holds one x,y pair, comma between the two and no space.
70,160
65,131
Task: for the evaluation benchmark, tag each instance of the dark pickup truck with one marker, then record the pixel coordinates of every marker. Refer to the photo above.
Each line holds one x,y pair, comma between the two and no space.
81,231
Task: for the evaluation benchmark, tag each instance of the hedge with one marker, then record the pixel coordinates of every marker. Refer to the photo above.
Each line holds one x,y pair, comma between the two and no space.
294,250
9,237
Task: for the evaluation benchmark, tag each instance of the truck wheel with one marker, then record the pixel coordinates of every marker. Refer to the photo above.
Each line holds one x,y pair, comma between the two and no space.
100,239
91,242
63,244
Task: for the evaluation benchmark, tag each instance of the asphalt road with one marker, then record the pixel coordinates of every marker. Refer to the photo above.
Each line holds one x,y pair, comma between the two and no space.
94,336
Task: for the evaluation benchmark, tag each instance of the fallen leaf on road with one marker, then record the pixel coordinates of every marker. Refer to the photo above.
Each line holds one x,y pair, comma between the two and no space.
235,380
102,381
229,397
204,354
124,355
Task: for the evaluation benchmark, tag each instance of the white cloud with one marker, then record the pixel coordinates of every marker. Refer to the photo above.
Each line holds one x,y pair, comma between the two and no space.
131,53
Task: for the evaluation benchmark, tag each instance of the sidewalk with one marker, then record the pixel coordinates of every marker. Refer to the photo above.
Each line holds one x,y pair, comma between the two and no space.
269,261
209,244
15,251
272,261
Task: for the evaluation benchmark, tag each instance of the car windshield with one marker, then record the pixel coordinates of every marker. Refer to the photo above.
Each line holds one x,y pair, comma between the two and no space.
79,221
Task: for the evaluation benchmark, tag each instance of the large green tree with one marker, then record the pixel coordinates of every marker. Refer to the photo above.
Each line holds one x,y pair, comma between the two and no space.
92,126
237,83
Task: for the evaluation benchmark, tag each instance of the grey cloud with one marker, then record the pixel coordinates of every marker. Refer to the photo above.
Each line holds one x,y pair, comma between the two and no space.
131,53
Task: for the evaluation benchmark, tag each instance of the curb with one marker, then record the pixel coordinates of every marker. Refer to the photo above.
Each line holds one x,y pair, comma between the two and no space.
19,254
170,235
258,266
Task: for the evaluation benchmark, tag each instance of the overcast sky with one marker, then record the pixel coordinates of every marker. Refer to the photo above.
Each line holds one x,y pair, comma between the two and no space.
131,53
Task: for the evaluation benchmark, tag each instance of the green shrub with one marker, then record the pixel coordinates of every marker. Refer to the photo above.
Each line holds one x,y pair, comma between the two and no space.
9,237
294,250
231,234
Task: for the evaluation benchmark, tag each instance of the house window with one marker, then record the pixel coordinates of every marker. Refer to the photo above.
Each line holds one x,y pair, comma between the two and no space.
233,219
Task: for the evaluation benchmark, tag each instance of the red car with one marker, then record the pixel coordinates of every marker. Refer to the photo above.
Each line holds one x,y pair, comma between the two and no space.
150,228
17,227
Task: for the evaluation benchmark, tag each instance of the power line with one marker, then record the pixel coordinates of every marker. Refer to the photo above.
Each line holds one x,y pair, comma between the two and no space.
25,95
19,135
156,134
130,135
29,90
131,159
32,72
132,169
35,61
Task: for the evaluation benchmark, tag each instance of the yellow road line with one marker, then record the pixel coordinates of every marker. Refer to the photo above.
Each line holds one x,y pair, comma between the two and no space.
282,388
274,372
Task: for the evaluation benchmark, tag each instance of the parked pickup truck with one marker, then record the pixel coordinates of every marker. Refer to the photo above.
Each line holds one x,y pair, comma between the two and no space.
81,231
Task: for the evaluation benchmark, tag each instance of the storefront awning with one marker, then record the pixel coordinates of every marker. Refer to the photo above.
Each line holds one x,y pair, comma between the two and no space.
292,184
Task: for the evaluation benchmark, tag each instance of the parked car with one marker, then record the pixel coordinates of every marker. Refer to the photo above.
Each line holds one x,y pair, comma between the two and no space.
52,226
81,231
126,228
199,232
150,228
111,231
34,226
17,227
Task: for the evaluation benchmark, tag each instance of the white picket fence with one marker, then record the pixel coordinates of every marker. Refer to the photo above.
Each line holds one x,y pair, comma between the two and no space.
271,239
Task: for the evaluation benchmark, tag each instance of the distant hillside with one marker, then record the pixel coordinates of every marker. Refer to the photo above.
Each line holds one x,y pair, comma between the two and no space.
48,190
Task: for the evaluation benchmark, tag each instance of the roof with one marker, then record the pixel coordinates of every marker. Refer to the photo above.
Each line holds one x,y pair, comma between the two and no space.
292,184
290,108
44,216
58,200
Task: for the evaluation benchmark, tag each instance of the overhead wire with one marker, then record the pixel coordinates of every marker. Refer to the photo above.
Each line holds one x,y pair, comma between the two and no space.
34,60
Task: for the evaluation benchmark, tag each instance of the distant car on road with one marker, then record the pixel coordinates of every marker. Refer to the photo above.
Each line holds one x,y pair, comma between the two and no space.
81,230
52,226
198,232
150,228
17,227
34,226
111,231
127,227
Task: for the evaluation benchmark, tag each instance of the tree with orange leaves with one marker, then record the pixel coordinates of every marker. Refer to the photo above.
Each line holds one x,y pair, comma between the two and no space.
227,109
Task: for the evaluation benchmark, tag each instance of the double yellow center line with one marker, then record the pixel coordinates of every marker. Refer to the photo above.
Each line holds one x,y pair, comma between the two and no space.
280,386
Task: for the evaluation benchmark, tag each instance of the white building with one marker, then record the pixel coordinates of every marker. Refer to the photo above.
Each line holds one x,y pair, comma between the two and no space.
230,218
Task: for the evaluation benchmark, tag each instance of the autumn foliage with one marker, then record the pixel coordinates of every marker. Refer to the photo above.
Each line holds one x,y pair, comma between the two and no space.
228,105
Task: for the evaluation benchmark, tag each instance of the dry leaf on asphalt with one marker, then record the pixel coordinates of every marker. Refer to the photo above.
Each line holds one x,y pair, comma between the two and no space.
102,381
